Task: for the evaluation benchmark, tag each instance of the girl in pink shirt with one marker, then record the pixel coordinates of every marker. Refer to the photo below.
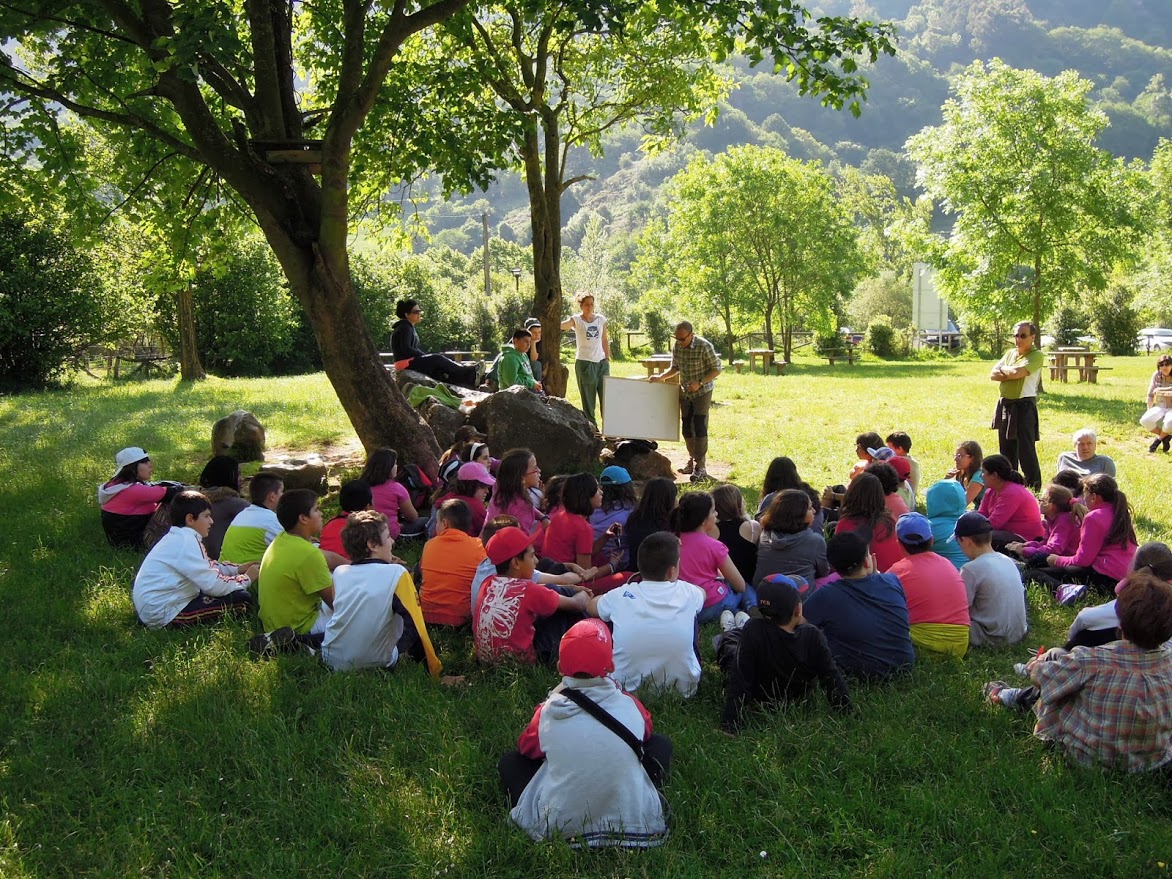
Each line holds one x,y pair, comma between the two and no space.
570,539
1106,543
390,498
129,498
512,496
1061,517
1010,507
705,562
864,509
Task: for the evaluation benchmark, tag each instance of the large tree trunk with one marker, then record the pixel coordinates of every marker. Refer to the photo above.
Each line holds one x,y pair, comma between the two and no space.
190,367
379,412
545,216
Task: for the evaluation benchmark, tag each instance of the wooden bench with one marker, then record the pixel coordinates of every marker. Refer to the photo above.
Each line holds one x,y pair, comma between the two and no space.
779,366
840,354
1090,374
739,365
387,359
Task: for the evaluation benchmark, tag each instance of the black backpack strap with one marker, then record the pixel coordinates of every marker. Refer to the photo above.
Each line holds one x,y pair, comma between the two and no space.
605,718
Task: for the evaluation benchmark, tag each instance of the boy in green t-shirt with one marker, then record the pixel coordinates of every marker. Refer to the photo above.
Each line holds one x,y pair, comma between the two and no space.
295,588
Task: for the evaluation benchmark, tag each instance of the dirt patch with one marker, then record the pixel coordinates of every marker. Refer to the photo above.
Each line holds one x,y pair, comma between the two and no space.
678,455
346,454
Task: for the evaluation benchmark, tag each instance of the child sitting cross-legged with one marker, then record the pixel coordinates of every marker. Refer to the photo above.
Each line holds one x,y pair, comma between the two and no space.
997,609
256,526
778,657
177,584
587,766
449,564
376,617
1112,705
937,603
515,617
655,621
353,497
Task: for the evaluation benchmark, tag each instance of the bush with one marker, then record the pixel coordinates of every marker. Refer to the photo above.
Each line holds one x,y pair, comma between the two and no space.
657,330
881,339
1116,320
1066,325
51,304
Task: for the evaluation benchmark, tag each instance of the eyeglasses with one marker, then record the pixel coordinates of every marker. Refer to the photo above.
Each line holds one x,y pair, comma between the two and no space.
682,339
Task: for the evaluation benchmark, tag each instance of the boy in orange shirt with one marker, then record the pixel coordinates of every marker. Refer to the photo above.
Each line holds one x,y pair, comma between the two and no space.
449,563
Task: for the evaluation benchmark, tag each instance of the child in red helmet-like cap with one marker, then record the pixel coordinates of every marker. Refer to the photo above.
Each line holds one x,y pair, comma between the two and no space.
575,773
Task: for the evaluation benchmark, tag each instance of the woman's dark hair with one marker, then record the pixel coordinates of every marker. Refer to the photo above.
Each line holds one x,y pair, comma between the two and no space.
691,512
1122,528
403,308
999,465
1156,557
973,449
554,488
1069,479
782,473
379,466
787,512
129,473
222,471
656,504
473,446
864,503
886,475
510,477
578,494
619,497
869,440
1165,360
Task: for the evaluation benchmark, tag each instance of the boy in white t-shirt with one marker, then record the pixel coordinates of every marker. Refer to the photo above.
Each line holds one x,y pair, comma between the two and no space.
655,621
376,616
592,362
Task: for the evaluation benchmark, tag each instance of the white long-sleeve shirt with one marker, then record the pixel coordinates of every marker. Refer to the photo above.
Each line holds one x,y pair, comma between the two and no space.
174,573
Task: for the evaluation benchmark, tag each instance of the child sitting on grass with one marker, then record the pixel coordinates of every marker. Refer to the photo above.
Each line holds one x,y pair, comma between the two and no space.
776,658
256,526
997,610
390,497
937,603
864,615
515,617
580,775
1112,705
1061,517
353,497
177,584
449,564
705,562
376,617
737,531
618,501
654,622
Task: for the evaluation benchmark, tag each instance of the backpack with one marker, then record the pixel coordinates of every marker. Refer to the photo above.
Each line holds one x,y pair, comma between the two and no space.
417,484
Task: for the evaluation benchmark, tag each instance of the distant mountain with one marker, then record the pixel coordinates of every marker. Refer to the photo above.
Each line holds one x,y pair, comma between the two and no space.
1123,46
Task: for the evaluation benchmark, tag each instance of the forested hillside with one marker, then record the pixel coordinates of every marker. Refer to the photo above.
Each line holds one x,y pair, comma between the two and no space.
1124,48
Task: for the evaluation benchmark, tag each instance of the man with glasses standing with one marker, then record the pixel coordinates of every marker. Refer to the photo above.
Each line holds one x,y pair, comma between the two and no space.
1019,374
694,360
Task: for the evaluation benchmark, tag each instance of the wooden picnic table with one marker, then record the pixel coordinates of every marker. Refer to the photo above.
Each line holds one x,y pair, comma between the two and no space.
145,358
656,363
847,354
766,356
1063,360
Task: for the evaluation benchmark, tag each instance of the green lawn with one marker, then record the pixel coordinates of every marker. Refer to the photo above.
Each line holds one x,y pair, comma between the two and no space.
126,752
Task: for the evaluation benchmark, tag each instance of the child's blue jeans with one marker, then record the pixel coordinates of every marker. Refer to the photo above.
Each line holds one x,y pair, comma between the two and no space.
733,601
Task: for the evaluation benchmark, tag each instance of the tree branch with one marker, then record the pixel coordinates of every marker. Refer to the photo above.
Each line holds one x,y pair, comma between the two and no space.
66,22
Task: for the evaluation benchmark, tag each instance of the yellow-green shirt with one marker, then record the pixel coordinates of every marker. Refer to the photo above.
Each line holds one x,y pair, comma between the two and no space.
1027,386
292,573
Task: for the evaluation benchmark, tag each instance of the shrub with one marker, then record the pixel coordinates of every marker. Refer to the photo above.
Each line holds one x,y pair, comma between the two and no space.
51,304
1066,325
657,330
881,338
1116,320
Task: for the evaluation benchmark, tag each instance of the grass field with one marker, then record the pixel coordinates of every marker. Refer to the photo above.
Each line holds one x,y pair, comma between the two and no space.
126,752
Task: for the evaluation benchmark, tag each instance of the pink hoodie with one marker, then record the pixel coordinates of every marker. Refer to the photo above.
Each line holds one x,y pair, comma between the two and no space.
1061,537
1110,560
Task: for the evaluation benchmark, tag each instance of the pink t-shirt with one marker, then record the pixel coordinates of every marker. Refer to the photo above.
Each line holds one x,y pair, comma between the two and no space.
934,589
520,508
137,499
700,559
887,550
1013,508
386,499
568,537
895,505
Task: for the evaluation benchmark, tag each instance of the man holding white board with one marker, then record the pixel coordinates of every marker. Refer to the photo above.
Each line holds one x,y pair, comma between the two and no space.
695,361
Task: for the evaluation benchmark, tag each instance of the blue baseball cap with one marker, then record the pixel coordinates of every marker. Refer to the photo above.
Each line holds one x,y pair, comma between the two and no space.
615,475
914,529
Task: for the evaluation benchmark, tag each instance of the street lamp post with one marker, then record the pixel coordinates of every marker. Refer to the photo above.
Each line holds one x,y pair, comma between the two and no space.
517,279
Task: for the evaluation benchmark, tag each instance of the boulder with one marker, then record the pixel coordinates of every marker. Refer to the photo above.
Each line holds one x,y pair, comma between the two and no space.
309,472
240,435
443,421
557,433
648,466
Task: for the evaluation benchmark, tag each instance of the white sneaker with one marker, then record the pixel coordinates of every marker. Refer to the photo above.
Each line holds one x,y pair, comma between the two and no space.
727,620
1021,669
740,619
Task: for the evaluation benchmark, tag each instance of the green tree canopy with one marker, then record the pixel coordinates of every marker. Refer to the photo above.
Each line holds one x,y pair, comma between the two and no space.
1040,213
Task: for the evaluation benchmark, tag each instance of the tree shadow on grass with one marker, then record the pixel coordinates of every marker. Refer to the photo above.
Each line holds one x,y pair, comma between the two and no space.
878,369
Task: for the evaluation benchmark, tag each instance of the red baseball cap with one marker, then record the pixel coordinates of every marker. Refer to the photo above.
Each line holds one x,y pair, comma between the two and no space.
586,649
902,466
508,543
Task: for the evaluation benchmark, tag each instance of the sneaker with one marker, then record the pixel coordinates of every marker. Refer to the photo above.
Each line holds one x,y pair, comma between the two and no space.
993,692
691,465
479,374
269,644
740,619
727,620
1155,445
1068,593
1166,442
699,475
1021,669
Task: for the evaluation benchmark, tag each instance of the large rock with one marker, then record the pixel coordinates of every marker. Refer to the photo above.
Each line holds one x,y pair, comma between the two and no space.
648,466
443,421
557,433
309,472
240,435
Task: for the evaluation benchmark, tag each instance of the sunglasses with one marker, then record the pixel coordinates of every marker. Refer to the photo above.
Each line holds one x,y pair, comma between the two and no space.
1022,335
